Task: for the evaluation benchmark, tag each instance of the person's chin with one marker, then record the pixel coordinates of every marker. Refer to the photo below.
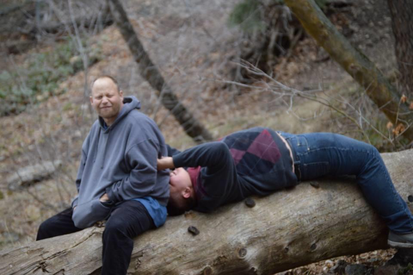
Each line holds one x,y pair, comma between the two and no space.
106,112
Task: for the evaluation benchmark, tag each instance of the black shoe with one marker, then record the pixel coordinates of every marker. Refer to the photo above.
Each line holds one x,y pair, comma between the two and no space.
400,240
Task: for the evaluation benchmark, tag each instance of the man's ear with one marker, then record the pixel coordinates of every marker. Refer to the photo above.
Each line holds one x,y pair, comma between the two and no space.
91,100
186,193
121,94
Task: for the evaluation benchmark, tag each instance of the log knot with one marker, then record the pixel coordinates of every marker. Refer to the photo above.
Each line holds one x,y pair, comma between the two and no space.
315,184
253,271
242,253
193,230
313,247
250,202
208,270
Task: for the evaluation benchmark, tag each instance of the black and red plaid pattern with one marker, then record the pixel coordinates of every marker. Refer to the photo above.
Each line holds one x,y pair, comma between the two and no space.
254,152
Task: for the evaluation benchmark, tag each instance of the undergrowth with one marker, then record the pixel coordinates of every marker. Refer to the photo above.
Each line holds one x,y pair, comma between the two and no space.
39,76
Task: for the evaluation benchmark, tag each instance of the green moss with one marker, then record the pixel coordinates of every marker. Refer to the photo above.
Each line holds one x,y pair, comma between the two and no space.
68,106
247,15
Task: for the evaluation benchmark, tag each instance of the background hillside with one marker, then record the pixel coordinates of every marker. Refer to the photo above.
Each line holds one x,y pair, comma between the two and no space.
45,74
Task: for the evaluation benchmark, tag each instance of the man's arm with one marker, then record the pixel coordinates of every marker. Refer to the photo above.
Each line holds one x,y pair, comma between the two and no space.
166,162
141,159
215,156
172,151
212,155
79,176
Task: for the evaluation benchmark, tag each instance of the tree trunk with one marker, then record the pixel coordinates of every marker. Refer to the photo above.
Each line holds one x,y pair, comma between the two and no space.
285,230
150,73
401,13
377,87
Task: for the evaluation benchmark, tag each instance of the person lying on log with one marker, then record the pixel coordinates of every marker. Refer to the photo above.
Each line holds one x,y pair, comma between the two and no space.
260,161
117,178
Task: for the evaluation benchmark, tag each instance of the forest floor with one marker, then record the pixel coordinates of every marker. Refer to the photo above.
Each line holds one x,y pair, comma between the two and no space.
195,50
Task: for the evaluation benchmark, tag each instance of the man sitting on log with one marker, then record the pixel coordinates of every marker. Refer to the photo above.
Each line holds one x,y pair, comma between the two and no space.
260,161
117,178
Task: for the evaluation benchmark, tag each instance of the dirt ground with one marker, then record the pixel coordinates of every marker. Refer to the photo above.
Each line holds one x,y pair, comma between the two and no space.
193,47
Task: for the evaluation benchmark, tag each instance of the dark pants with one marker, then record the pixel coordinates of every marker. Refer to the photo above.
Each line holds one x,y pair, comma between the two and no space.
127,220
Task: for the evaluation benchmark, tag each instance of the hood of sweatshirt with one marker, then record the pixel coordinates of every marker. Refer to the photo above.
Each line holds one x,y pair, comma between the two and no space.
129,103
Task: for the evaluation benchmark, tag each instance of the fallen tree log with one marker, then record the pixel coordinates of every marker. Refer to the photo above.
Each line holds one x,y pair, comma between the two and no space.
290,228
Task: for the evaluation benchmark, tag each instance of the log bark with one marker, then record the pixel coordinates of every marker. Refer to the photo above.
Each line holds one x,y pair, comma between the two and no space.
377,87
285,230
150,73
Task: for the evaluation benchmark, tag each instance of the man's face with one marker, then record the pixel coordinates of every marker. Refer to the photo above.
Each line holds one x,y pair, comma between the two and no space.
179,181
106,99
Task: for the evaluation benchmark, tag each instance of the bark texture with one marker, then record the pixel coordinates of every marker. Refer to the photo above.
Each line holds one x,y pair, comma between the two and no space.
285,230
401,13
377,87
150,73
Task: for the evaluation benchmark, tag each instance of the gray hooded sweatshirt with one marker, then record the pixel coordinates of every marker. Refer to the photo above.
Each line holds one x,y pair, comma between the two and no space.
120,161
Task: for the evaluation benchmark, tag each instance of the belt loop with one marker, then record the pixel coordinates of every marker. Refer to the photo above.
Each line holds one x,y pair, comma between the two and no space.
296,159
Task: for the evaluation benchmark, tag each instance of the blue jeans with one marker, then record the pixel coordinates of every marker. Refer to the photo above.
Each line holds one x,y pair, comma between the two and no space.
325,154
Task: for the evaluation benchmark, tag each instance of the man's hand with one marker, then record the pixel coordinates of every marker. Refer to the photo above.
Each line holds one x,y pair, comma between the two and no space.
104,198
165,163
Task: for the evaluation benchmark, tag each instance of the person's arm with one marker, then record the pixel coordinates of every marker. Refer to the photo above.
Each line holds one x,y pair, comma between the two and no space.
166,161
211,155
141,159
79,176
172,151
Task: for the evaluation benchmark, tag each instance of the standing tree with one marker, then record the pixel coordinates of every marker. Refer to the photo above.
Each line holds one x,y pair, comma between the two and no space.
150,73
377,87
402,23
